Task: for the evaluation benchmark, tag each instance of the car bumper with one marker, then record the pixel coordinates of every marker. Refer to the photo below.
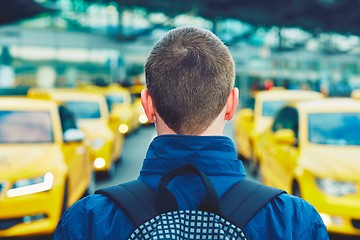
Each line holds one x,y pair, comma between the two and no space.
340,214
29,215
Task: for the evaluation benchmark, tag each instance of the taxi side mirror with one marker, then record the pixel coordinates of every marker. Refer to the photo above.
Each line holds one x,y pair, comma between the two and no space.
114,118
74,135
115,109
285,136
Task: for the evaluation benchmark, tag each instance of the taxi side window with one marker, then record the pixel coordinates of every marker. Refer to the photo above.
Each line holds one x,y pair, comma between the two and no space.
279,121
67,119
292,120
287,118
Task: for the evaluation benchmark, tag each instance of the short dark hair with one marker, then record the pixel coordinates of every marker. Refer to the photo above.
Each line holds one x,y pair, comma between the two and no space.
189,75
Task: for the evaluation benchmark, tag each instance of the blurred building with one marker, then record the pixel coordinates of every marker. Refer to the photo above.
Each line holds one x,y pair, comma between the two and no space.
86,40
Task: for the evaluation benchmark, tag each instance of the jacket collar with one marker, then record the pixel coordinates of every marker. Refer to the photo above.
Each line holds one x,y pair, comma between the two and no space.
214,155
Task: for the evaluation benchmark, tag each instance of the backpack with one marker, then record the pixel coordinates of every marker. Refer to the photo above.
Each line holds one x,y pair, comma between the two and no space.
156,215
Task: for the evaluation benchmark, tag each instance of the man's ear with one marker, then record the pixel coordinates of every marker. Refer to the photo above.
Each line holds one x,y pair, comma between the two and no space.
148,105
232,103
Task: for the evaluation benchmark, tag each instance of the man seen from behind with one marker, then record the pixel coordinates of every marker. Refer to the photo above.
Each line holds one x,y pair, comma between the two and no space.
190,95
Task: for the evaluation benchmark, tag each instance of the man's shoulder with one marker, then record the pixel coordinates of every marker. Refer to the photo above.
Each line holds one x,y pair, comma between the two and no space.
94,203
287,217
290,201
94,210
288,204
301,213
88,206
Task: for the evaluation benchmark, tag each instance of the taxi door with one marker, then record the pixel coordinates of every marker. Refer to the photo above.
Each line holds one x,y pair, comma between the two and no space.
76,158
269,170
282,155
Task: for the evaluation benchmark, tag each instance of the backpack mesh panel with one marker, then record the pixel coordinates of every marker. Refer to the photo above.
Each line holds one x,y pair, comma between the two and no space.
188,224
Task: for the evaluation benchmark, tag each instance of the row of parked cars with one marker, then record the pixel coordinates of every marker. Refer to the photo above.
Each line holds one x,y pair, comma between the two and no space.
308,145
52,143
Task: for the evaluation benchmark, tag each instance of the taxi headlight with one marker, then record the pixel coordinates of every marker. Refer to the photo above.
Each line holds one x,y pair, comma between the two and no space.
97,143
143,118
31,185
123,128
335,188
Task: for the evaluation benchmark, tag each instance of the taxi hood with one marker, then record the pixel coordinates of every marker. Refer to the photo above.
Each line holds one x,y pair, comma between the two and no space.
17,160
92,123
95,127
333,161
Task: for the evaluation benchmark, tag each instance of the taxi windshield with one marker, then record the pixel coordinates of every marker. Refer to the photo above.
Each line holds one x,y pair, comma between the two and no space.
270,108
84,110
114,99
25,127
334,128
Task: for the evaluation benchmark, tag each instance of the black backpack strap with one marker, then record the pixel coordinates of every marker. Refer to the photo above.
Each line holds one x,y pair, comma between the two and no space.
244,200
165,200
134,198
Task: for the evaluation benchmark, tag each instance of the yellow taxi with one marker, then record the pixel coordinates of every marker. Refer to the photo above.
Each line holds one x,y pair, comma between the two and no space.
92,111
120,106
250,123
44,165
312,150
135,91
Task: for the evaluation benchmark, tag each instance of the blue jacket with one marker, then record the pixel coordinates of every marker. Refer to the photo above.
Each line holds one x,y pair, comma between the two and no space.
286,217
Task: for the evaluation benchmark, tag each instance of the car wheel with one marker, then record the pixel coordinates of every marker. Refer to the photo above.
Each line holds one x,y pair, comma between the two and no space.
91,186
118,160
110,173
242,158
259,176
296,189
65,198
254,164
117,157
254,167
